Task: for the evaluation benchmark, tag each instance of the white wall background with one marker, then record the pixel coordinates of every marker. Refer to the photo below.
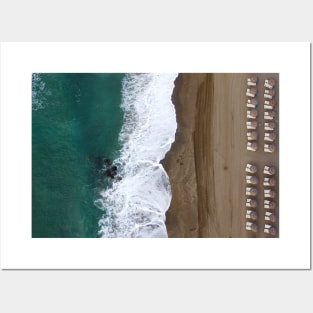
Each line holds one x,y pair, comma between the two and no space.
155,291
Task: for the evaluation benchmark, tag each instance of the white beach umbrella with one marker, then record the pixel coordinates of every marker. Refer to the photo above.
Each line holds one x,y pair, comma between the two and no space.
269,170
269,94
252,146
253,180
269,126
251,191
251,92
269,181
251,226
269,148
252,135
251,168
269,193
253,215
252,81
252,124
251,203
269,204
270,216
269,229
269,104
269,115
269,137
253,113
252,103
269,83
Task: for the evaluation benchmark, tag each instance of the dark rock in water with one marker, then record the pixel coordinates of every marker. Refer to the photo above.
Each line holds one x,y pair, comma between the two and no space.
104,166
109,173
100,162
114,170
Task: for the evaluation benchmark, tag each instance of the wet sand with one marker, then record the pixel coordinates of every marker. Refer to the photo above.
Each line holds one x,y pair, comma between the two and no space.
206,163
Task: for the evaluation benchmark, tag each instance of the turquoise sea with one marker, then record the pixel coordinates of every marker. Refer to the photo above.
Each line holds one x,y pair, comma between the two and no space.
75,119
97,140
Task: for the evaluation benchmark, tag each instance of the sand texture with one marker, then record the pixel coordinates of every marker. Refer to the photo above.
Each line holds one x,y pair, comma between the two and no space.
207,161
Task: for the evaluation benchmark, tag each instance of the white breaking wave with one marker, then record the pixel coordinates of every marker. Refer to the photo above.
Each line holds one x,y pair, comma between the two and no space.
135,206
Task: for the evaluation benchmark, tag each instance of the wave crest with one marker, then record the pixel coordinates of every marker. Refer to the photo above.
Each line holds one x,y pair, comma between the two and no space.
135,206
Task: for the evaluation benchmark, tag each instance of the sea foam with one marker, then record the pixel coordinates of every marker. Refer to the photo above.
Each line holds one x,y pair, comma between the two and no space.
135,206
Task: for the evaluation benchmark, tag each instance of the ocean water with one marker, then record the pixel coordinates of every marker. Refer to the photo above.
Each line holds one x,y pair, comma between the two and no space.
97,140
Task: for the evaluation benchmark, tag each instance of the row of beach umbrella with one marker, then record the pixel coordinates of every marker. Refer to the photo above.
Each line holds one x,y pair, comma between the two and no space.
269,203
270,171
269,114
252,113
269,196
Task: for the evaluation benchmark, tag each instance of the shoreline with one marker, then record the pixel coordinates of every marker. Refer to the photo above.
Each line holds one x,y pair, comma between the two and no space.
207,160
179,161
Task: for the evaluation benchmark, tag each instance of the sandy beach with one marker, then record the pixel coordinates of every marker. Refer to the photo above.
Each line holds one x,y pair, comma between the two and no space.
207,161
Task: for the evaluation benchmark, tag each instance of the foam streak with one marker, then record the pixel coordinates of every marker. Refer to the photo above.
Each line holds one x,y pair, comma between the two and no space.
136,205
